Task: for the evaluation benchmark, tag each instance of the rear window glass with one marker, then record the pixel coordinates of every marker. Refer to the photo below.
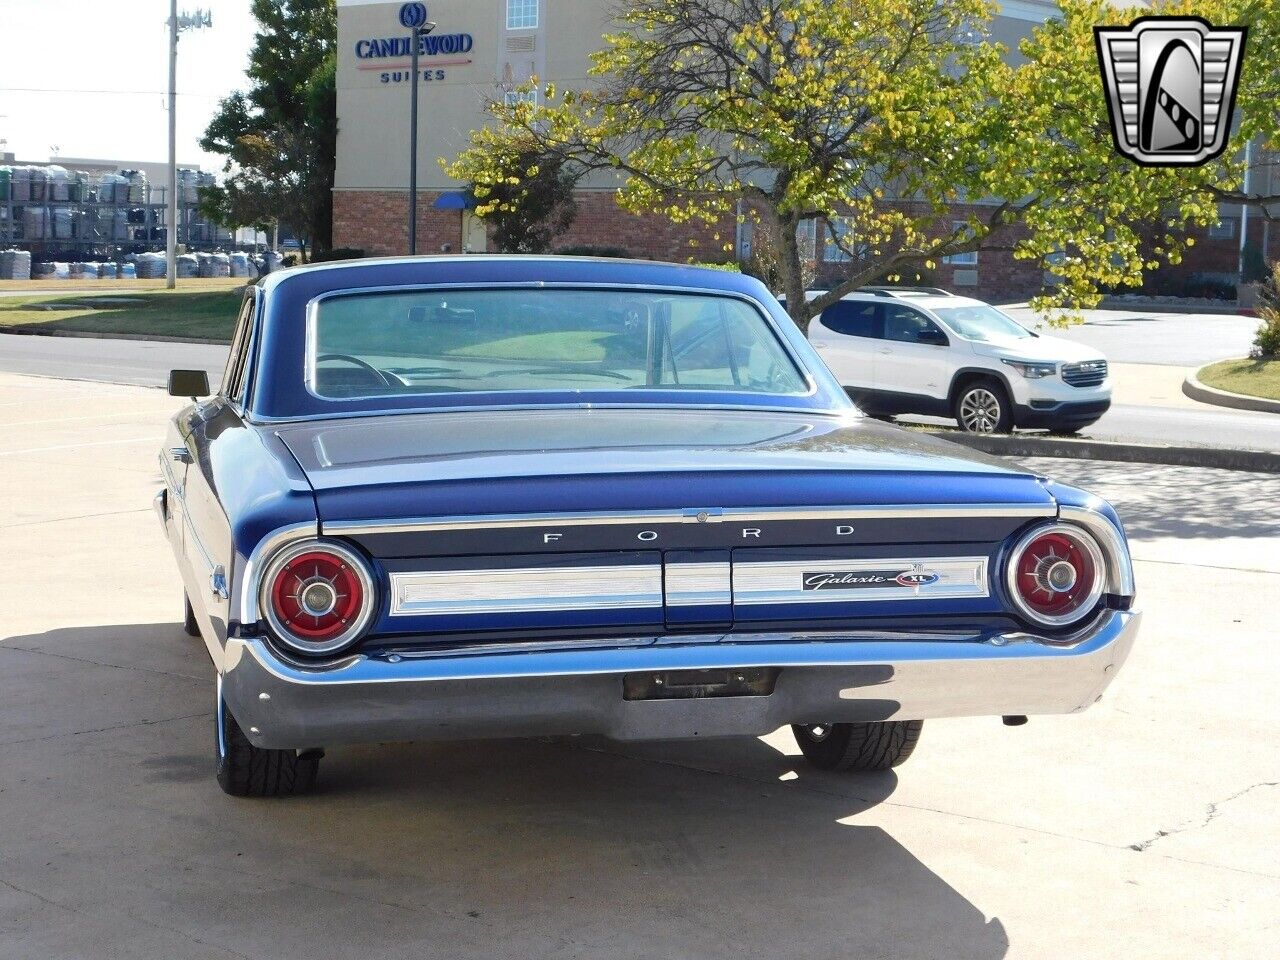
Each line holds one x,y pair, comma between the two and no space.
854,318
421,342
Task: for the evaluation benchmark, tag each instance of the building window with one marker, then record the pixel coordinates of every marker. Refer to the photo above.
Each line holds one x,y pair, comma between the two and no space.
1224,229
845,249
969,259
512,97
522,14
807,239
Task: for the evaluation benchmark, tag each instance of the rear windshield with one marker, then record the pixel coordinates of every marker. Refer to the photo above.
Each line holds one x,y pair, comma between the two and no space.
421,342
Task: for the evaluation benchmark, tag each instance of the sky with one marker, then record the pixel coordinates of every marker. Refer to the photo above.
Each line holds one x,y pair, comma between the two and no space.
91,77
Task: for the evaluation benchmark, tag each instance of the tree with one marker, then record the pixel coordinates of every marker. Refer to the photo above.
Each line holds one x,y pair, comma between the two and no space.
531,205
280,137
876,117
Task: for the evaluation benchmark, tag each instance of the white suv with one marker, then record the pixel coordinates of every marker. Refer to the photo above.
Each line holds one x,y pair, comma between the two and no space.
923,350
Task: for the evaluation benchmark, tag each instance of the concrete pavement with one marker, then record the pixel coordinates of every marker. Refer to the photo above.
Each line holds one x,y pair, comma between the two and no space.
1145,827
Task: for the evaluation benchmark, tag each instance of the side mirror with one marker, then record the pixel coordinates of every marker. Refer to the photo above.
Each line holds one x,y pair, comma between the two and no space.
932,336
189,383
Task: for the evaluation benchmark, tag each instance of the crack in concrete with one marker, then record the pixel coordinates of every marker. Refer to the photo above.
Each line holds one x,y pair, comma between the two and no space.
106,729
100,663
171,931
83,516
1211,813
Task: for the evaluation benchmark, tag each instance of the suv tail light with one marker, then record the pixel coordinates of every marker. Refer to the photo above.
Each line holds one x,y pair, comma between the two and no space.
318,597
1055,574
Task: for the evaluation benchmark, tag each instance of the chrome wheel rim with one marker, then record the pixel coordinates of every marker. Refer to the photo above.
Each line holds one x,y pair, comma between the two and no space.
980,411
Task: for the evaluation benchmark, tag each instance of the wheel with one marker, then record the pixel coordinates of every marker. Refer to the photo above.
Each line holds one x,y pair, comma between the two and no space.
983,407
248,771
189,624
858,746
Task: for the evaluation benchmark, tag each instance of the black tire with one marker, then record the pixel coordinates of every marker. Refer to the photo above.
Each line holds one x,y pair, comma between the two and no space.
858,746
249,771
983,406
189,625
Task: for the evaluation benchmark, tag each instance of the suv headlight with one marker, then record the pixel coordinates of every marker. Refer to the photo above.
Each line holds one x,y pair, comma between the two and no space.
1031,369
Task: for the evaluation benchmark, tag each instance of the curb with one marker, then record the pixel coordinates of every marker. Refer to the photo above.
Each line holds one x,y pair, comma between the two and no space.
1152,306
27,331
1196,390
1256,461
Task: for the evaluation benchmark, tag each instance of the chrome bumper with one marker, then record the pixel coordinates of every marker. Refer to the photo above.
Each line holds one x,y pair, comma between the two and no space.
823,678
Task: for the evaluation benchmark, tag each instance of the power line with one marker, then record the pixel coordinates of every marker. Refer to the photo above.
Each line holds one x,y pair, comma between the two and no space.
128,93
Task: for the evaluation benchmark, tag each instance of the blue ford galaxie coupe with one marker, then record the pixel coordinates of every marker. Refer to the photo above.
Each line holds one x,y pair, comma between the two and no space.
508,496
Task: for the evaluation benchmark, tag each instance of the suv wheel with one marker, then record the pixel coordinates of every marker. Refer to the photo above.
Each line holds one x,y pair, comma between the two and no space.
983,407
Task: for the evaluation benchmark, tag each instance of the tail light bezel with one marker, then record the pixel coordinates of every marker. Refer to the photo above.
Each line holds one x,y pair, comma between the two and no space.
359,625
1088,544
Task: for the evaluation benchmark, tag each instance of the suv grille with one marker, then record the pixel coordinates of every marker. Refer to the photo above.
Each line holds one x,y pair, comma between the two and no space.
1087,374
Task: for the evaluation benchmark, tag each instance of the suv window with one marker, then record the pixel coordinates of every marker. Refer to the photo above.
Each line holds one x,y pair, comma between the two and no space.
854,318
905,325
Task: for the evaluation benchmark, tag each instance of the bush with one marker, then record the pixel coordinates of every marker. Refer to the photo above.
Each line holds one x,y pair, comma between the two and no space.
586,250
1266,342
338,253
1209,286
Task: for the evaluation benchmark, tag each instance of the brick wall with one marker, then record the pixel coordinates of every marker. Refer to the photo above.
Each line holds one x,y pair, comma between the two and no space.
376,221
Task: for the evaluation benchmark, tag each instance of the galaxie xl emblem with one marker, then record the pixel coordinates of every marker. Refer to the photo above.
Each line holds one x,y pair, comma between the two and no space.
854,580
1171,86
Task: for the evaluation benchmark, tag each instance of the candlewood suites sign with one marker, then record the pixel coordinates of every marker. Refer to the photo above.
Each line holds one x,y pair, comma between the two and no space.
390,55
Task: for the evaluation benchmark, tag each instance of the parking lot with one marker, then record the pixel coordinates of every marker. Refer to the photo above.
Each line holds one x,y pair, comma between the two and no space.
1146,827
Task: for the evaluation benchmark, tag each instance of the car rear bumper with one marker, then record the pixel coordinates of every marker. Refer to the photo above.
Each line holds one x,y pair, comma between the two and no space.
820,678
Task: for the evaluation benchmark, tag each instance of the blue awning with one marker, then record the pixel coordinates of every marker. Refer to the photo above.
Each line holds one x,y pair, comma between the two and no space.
454,200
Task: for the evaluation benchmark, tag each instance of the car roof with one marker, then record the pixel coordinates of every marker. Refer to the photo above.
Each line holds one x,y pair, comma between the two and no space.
930,301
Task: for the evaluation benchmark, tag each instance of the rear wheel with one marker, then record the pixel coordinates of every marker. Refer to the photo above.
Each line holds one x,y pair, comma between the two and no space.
858,746
189,618
982,406
248,771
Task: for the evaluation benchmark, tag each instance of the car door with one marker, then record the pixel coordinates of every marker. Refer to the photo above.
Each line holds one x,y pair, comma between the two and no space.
846,336
914,355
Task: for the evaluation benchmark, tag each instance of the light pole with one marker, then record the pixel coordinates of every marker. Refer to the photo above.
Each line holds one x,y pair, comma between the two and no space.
414,17
188,21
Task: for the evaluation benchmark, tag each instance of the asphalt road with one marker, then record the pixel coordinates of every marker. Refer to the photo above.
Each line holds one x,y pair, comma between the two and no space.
1175,339
1144,827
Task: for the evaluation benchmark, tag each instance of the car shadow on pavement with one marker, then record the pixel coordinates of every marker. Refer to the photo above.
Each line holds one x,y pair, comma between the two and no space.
1186,502
506,848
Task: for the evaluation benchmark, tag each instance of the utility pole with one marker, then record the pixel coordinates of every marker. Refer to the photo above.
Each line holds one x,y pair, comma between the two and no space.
188,21
414,17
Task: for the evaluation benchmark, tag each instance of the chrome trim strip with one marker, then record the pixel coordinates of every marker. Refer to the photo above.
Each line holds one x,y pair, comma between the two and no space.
838,413
783,581
248,581
701,652
1119,563
526,589
688,515
697,584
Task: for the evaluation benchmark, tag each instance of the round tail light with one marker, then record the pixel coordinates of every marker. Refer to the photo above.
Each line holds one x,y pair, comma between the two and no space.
1055,574
318,597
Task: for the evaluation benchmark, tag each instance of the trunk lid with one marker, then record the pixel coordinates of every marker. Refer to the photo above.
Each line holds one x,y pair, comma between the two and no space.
645,521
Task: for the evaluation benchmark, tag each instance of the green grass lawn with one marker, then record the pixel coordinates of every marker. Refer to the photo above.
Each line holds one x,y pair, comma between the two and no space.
1256,378
172,313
